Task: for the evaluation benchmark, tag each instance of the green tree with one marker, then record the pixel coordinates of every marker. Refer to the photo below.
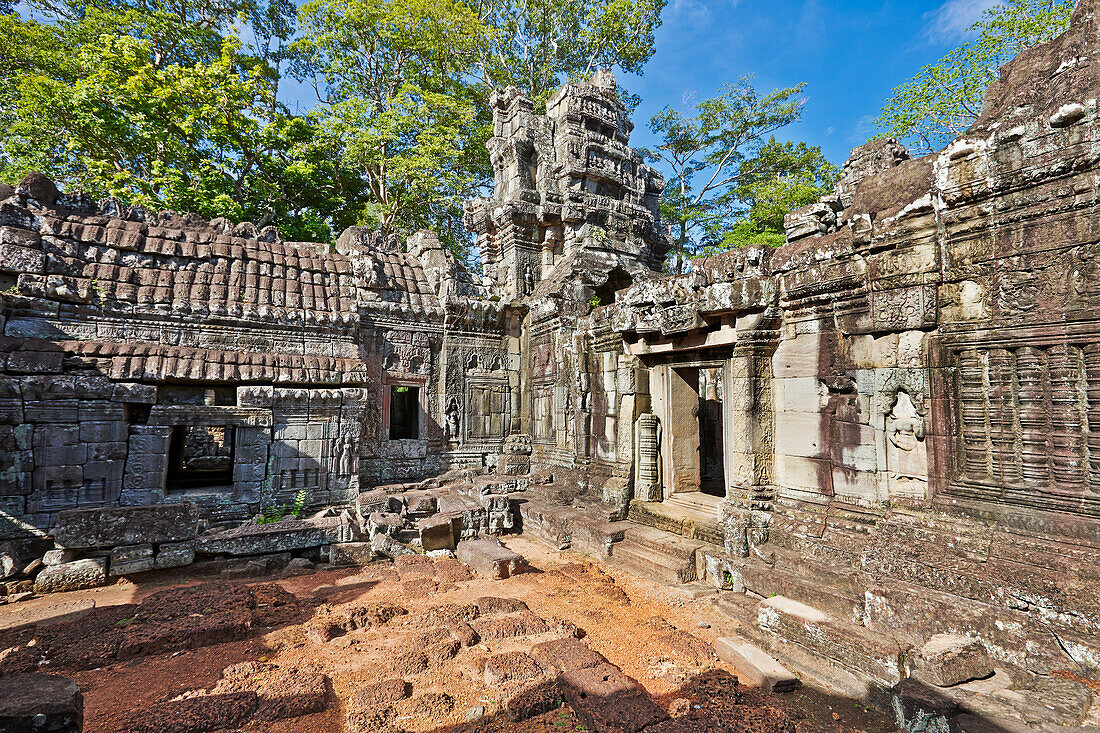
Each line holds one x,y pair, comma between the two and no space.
537,44
396,103
164,106
729,181
945,98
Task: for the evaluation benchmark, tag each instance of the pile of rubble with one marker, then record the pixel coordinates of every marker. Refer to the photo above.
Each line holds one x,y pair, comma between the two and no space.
456,513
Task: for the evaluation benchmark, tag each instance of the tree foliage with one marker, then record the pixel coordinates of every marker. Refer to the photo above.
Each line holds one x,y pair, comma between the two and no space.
165,108
396,104
944,99
183,105
537,44
731,182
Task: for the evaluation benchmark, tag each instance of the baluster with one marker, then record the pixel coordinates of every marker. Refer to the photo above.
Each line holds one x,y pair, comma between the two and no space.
1031,372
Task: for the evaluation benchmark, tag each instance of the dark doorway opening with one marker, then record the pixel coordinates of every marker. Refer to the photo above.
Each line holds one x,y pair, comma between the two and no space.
200,457
712,471
618,279
404,413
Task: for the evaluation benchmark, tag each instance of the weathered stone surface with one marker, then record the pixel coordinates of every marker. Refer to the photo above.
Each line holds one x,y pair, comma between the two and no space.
351,553
76,575
491,559
436,533
174,555
389,547
289,534
108,527
32,702
131,559
10,563
754,665
948,659
58,556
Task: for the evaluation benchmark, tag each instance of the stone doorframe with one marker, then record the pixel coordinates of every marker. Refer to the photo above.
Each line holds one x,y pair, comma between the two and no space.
679,444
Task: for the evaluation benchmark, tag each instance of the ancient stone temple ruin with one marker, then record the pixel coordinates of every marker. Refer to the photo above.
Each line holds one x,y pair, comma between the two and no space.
884,431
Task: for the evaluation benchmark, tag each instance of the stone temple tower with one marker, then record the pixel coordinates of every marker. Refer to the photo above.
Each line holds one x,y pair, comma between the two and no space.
562,180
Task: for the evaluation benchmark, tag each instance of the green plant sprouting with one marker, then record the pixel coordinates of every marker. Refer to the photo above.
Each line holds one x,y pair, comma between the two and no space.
275,512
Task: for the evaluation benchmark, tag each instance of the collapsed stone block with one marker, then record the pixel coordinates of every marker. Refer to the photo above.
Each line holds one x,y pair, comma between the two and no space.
58,556
949,659
10,563
34,702
174,555
377,500
284,536
389,547
756,666
351,553
77,575
386,523
437,533
491,559
131,559
132,525
422,506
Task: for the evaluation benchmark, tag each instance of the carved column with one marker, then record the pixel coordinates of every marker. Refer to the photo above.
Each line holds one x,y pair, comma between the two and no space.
1067,417
1031,371
975,414
648,477
1004,416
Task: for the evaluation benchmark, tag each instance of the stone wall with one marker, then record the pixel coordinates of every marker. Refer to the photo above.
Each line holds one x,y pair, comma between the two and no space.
911,382
159,357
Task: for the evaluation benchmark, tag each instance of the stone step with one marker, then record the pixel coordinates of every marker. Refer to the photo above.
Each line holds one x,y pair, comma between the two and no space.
838,591
755,665
696,525
696,501
871,656
835,596
586,530
548,522
595,536
743,610
663,542
656,555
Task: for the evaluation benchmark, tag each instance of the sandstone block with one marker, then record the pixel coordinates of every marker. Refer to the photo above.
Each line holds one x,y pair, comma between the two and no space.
76,575
131,559
40,702
756,666
174,555
351,553
490,558
388,546
131,525
263,539
376,500
437,533
387,523
56,557
10,563
949,659
423,506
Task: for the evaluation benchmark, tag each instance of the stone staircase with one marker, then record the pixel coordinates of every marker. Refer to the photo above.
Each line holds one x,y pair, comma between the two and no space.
657,555
802,611
694,516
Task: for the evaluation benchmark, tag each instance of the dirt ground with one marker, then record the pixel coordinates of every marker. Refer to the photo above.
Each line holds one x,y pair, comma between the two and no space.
306,653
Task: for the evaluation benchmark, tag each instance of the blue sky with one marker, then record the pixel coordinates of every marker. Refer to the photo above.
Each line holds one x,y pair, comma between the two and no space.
850,53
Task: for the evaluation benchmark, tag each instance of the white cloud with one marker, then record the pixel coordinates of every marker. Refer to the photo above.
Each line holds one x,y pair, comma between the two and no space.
948,24
863,130
829,130
697,12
